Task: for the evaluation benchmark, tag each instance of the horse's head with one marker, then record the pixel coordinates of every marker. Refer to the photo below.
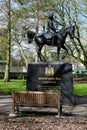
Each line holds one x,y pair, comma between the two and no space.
30,36
71,30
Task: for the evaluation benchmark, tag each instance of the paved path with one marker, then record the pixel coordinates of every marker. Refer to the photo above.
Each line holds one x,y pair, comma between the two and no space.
5,103
80,109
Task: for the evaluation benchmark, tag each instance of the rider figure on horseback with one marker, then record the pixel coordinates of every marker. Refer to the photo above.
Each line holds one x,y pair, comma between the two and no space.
51,30
50,24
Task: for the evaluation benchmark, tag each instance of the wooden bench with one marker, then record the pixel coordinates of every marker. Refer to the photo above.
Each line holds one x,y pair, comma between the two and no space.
35,99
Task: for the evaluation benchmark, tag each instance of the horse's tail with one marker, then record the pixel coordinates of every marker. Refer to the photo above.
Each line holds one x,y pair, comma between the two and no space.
30,36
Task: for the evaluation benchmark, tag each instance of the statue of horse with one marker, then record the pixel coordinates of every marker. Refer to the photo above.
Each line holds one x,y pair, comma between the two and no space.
57,40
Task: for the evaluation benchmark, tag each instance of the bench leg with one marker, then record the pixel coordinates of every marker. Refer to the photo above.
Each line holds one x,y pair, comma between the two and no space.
16,109
13,109
58,111
60,108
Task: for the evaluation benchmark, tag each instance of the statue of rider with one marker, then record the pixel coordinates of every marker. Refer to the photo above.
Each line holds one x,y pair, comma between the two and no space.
50,24
51,30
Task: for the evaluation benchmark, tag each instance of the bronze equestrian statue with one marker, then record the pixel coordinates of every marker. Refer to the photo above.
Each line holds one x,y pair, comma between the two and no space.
56,39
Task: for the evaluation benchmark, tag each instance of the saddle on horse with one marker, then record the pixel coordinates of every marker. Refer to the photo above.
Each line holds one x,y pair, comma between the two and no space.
51,37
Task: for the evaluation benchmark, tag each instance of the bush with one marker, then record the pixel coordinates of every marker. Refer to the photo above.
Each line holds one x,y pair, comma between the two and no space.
14,75
1,75
83,76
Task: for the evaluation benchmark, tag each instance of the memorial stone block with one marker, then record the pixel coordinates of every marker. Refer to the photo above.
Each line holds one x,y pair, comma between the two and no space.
51,76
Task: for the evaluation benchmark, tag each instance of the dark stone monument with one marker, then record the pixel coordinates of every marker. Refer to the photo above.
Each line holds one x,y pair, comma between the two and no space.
51,76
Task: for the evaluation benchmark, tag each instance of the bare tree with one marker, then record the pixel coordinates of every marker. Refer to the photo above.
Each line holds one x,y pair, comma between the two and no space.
8,54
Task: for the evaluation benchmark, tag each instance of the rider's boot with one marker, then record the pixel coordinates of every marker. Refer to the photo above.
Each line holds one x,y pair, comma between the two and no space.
54,40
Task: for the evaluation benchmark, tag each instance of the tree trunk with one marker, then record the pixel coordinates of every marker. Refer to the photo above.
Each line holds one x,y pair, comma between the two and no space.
36,27
43,23
7,68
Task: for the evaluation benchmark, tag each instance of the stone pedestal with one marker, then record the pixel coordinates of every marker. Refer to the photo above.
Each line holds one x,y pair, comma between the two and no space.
49,76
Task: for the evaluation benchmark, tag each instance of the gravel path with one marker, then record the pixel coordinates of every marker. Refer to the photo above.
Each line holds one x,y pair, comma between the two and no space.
47,122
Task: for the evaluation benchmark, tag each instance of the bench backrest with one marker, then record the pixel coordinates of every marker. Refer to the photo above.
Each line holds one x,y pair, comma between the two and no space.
36,98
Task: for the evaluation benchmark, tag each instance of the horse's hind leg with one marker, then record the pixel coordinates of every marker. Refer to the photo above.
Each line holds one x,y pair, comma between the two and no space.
40,54
58,53
65,50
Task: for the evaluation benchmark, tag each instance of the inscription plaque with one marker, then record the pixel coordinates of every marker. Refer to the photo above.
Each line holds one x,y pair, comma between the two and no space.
51,76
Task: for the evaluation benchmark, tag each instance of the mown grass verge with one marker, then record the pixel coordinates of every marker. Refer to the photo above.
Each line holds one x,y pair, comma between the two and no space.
8,87
80,89
20,85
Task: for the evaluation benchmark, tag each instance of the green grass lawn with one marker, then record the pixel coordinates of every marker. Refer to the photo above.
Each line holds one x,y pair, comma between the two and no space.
20,85
8,87
80,89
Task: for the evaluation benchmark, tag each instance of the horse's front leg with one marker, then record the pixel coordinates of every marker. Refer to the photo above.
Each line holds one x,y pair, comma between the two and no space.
65,50
40,54
58,53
